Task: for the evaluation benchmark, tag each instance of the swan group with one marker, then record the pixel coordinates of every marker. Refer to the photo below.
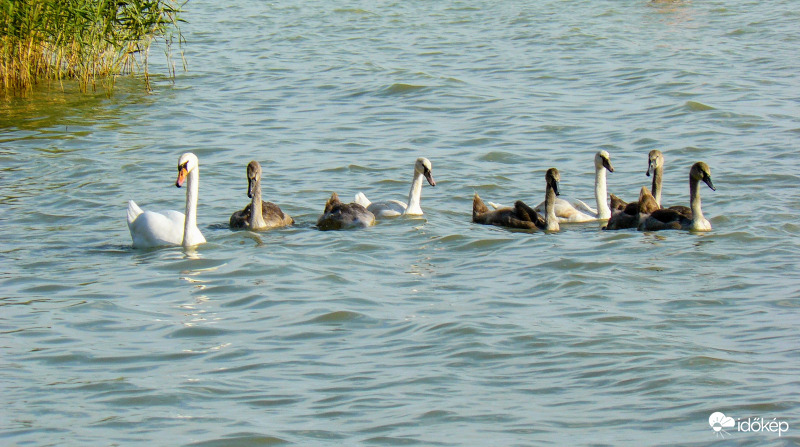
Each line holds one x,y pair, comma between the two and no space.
153,229
637,215
670,218
578,211
521,215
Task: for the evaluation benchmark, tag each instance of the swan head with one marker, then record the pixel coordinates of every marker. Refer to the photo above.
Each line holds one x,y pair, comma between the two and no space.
423,166
253,177
553,177
186,164
655,161
701,171
603,160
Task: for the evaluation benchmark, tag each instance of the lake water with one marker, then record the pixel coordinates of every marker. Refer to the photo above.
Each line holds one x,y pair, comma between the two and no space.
428,331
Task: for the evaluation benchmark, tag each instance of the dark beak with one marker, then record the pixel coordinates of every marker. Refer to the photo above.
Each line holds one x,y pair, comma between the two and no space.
649,168
250,183
607,165
707,180
429,177
555,188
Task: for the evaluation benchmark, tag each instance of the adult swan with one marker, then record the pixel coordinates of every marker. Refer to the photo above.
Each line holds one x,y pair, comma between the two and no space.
152,229
392,208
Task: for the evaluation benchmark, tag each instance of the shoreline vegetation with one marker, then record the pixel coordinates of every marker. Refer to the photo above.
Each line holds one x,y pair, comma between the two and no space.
90,41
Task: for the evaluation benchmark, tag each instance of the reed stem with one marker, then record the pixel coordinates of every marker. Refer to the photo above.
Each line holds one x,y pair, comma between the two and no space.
90,41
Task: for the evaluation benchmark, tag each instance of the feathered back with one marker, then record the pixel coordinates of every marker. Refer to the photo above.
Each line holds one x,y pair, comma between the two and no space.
647,202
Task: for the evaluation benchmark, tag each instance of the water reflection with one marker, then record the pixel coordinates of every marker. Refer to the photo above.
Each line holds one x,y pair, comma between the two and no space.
460,314
677,12
63,108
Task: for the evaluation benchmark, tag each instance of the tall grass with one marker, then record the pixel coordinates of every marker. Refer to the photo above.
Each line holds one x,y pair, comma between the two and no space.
88,40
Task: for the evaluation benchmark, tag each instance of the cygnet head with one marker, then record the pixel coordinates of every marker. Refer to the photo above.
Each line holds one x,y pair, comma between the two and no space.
186,164
253,177
701,171
423,166
552,177
655,160
603,160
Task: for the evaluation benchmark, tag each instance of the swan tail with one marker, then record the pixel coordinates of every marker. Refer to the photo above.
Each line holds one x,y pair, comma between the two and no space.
617,203
332,202
478,207
133,211
362,200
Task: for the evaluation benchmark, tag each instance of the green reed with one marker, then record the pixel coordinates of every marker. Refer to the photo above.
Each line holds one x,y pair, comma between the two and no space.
85,40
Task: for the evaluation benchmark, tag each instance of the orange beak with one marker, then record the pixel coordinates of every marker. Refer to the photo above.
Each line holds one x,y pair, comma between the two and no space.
181,177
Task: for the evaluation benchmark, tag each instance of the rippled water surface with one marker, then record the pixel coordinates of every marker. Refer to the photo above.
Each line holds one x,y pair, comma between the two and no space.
427,331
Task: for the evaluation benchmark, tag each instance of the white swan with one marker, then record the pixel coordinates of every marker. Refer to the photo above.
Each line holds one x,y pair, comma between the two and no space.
578,211
151,229
392,208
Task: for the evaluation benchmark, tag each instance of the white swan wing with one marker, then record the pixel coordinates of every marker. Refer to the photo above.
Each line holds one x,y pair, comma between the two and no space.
581,206
362,200
496,206
567,213
152,229
177,220
389,208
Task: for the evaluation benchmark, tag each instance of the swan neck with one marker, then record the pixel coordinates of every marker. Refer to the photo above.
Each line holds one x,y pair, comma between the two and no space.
601,193
190,221
550,219
658,174
256,208
414,194
694,200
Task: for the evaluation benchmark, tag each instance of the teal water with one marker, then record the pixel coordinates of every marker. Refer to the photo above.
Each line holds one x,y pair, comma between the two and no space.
429,331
